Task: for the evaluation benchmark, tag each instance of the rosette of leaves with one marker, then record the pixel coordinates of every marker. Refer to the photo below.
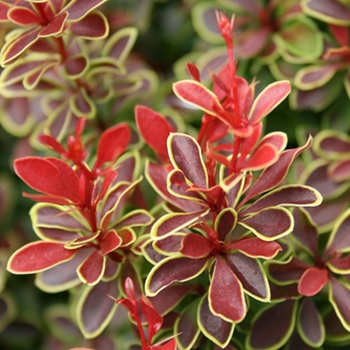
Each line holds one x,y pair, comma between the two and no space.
85,233
313,269
266,30
320,83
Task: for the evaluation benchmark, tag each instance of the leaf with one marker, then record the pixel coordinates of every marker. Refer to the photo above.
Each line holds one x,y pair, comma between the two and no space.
93,26
91,269
310,324
38,256
77,9
198,95
173,269
54,27
231,306
110,241
256,248
270,223
268,100
214,327
339,265
196,246
76,66
154,320
339,295
289,195
274,174
185,154
93,317
278,317
251,274
312,281
23,16
262,157
150,123
225,222
112,144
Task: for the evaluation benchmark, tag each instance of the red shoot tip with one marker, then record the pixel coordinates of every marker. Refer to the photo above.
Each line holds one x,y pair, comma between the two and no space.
225,26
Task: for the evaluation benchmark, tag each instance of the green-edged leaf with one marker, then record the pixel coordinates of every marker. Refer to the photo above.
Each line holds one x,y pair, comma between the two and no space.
198,95
270,223
196,246
120,44
225,222
38,256
329,11
251,274
186,327
339,265
94,316
272,326
174,222
231,307
93,26
289,196
310,324
75,66
339,296
173,269
82,104
212,326
185,154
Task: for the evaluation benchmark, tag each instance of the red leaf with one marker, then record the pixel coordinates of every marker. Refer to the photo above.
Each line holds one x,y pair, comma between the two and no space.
110,242
193,71
185,154
49,176
268,100
151,123
112,144
197,94
23,16
262,157
255,247
195,246
92,26
38,256
55,27
230,306
312,281
91,270
154,320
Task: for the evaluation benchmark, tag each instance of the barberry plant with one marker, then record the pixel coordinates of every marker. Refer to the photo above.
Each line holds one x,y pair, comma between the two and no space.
166,236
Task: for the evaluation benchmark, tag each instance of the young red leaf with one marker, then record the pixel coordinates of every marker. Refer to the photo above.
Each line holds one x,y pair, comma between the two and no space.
255,247
226,296
23,16
151,123
196,246
54,27
112,144
262,157
92,269
312,281
197,94
154,320
268,100
110,242
38,256
193,71
185,154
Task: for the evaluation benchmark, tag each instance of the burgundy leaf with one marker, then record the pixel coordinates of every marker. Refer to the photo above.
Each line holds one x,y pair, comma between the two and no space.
178,186
289,195
92,269
278,317
214,327
225,222
38,256
78,9
75,65
251,274
169,244
172,270
310,324
340,265
312,281
256,248
185,154
150,123
270,223
196,246
231,306
55,27
92,26
197,94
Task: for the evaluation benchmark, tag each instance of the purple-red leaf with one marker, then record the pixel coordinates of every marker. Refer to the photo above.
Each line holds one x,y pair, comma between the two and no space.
55,27
38,256
110,242
312,281
92,26
230,306
23,16
78,9
195,246
92,269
